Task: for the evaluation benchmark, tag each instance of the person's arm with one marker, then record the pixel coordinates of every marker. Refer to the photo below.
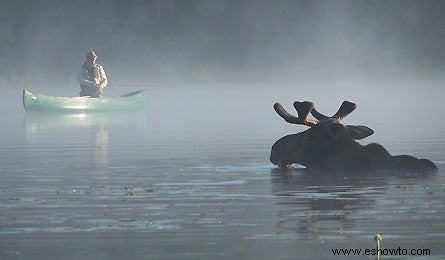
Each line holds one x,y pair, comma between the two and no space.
104,81
82,80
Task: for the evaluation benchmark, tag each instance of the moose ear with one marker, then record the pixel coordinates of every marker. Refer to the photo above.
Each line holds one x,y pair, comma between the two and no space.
359,131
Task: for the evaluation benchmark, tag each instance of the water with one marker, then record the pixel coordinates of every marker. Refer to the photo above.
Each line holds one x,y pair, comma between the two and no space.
103,187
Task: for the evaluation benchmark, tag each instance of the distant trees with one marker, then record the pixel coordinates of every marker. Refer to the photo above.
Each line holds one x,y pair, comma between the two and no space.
46,39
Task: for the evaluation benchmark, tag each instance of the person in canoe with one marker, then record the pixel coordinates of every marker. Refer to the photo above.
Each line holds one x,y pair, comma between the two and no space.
92,77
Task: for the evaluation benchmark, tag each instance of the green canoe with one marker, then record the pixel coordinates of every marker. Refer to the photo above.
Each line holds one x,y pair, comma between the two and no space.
40,102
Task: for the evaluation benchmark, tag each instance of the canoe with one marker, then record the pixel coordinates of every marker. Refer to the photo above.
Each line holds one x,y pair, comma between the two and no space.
44,103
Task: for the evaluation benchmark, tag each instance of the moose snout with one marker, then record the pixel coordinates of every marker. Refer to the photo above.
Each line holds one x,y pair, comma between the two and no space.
278,157
274,158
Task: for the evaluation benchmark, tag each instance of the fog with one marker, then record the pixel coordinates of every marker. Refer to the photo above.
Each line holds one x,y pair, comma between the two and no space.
214,68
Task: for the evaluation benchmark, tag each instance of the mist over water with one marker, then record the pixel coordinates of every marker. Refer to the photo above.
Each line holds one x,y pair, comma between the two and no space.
217,65
169,43
189,176
228,112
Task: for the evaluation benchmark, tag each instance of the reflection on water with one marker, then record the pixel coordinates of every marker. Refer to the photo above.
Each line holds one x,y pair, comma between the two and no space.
101,147
319,205
94,184
89,131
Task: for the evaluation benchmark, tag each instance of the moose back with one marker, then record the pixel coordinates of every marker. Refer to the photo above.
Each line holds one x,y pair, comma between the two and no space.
330,145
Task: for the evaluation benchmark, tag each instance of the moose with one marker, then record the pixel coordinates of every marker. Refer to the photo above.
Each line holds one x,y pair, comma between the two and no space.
330,145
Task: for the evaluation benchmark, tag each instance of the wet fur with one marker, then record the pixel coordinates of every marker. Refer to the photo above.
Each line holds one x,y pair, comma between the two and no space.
330,146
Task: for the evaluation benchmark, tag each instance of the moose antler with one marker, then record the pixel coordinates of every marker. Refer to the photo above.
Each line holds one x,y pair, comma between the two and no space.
345,109
303,109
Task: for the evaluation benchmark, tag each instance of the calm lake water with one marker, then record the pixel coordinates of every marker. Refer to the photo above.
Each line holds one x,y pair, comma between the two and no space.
101,187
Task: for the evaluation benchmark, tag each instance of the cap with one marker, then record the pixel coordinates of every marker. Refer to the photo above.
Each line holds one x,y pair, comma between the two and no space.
91,54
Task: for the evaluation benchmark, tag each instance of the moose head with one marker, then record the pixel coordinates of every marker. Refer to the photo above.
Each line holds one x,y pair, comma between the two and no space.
330,145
